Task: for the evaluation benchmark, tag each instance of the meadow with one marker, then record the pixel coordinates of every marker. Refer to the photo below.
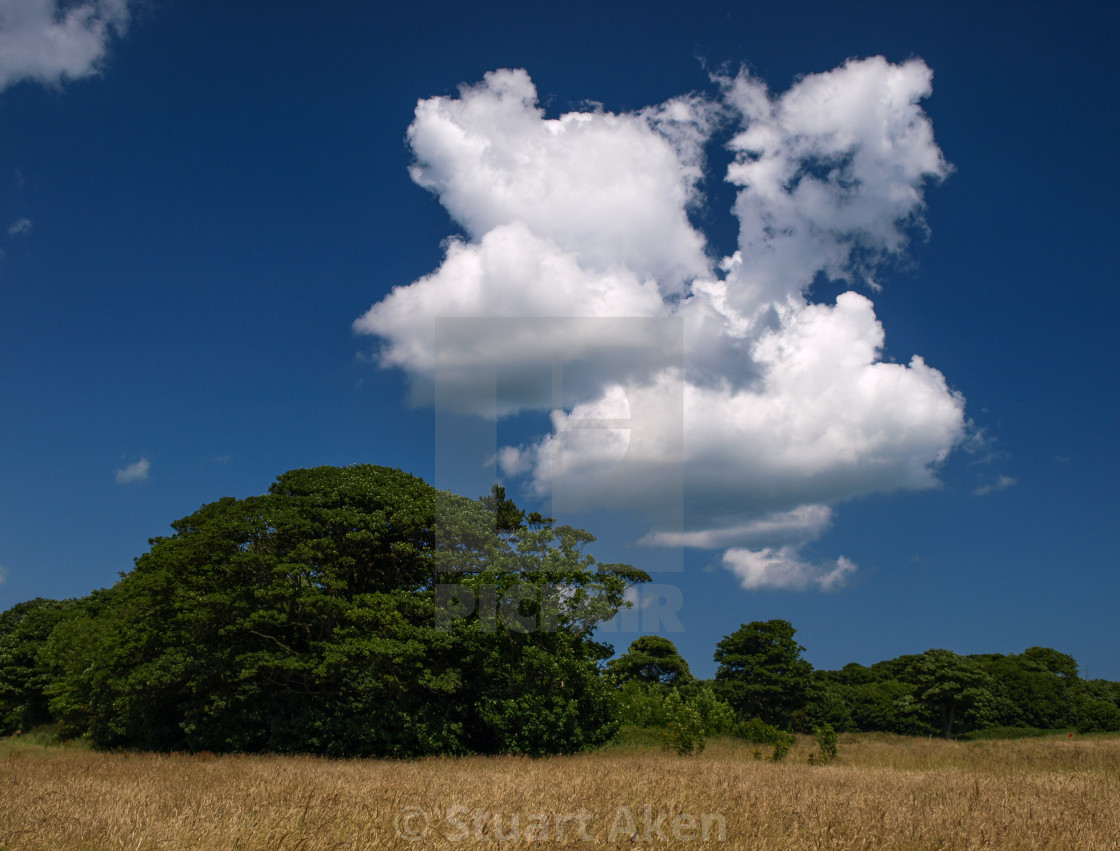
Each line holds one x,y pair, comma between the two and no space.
884,791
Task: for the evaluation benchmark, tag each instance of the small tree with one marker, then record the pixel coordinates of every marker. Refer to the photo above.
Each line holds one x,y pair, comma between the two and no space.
761,672
651,660
684,730
828,742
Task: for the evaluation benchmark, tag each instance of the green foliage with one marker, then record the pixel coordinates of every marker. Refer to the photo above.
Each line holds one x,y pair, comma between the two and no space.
72,657
828,743
685,717
1032,689
717,718
761,672
641,706
316,618
1051,661
949,684
1095,707
684,728
305,620
827,704
508,518
654,660
1037,689
630,737
25,677
782,744
759,732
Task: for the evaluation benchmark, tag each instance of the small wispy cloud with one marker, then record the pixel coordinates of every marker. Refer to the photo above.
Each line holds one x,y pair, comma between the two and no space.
137,472
20,227
1002,483
3,574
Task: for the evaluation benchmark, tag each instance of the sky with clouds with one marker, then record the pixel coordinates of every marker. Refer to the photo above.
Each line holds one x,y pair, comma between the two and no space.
806,310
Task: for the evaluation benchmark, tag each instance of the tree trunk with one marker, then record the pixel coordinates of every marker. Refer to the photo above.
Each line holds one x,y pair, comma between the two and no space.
947,720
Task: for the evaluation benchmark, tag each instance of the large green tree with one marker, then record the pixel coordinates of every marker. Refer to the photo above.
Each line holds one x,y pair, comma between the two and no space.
949,684
311,619
761,672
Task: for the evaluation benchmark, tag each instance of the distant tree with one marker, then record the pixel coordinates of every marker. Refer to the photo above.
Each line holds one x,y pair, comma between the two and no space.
1032,689
652,660
716,715
888,705
508,518
24,677
949,684
1051,661
1095,706
761,672
827,704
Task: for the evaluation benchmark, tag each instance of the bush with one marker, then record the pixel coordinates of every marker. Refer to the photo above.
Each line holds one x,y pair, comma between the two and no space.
684,732
759,732
828,742
717,717
641,705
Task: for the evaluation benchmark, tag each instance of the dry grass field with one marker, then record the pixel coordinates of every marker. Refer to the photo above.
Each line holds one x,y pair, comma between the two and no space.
885,792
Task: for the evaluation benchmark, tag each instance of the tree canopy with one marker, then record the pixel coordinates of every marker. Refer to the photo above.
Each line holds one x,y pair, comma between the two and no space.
761,672
651,660
306,620
359,611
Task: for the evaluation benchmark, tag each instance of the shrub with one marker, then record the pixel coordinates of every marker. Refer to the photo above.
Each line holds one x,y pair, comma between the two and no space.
717,717
640,705
759,732
684,732
827,742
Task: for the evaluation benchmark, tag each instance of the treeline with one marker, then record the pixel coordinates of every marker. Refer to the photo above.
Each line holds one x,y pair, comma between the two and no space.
763,679
360,612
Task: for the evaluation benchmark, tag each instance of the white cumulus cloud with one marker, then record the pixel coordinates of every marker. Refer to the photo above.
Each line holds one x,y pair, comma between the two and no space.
135,472
51,42
783,568
771,407
612,188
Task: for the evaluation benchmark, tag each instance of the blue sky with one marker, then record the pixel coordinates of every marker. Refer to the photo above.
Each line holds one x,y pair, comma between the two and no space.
199,200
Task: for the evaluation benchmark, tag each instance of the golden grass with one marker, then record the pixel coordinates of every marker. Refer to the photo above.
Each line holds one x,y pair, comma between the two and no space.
886,792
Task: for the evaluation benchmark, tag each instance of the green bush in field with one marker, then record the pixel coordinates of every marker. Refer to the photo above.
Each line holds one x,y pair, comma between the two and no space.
717,717
684,730
759,732
827,741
